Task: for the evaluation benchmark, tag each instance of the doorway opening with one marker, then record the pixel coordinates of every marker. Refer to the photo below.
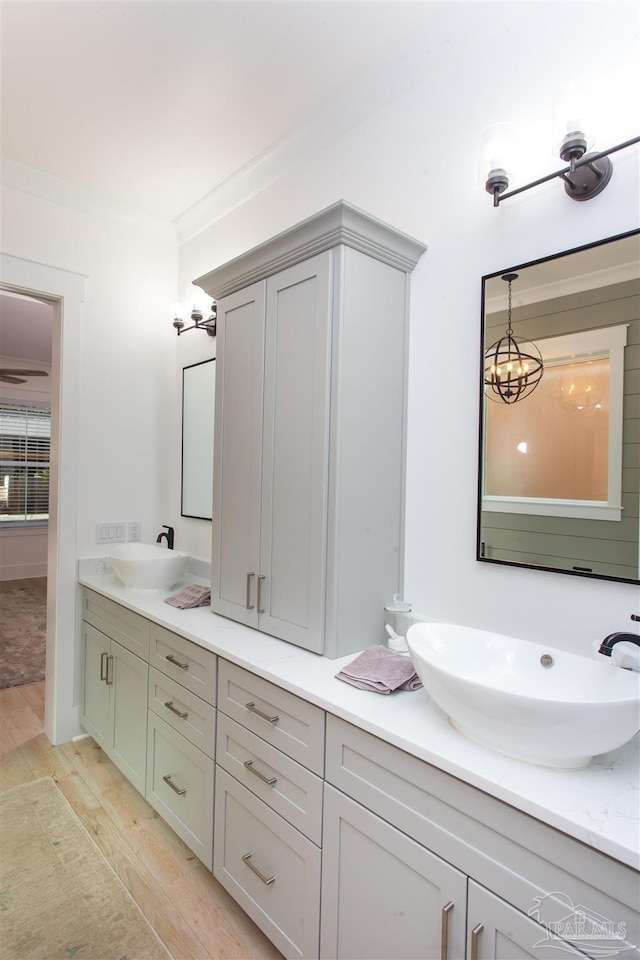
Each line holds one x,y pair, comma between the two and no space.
65,291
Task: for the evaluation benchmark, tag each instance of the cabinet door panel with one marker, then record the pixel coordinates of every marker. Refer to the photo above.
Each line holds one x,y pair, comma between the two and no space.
268,867
383,895
95,697
294,475
129,706
180,786
504,933
238,453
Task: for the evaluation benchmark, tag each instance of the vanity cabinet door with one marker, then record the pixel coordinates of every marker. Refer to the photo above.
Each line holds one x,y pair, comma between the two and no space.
95,694
129,708
295,454
238,454
383,894
114,702
497,931
271,454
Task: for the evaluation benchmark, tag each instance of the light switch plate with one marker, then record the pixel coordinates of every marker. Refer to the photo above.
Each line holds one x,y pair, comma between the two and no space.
112,531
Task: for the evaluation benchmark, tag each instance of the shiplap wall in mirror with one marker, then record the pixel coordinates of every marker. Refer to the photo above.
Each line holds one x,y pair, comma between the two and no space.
591,293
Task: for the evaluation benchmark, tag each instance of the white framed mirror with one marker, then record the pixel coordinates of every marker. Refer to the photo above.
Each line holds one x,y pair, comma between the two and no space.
198,403
559,470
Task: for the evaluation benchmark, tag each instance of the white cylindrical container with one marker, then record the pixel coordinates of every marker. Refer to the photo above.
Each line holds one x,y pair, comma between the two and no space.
397,617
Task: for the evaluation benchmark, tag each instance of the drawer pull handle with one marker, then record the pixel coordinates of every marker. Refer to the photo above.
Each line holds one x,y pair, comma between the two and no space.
169,705
260,607
446,910
248,603
109,676
179,790
258,873
251,707
268,780
170,657
475,936
103,668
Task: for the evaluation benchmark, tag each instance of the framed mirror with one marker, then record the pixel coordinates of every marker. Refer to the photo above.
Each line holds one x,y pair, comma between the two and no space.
198,402
559,470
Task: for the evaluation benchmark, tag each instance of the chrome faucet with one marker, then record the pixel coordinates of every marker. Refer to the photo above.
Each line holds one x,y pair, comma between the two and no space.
168,536
609,642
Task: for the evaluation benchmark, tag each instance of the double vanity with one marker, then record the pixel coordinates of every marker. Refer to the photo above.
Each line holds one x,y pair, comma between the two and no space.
346,823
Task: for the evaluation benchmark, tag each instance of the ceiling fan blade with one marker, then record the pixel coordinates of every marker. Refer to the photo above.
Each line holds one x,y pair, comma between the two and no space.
7,379
23,373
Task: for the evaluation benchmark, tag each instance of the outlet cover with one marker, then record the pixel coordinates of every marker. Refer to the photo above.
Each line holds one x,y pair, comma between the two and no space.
134,531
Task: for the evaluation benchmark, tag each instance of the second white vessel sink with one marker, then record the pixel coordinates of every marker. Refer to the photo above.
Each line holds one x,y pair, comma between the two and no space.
148,566
526,700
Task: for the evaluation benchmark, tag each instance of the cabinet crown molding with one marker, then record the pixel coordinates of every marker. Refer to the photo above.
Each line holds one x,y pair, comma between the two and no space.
338,224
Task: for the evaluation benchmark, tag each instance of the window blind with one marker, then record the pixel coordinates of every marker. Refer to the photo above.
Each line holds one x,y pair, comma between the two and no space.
25,444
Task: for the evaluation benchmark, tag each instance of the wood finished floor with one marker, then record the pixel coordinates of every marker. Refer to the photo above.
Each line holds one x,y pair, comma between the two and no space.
192,914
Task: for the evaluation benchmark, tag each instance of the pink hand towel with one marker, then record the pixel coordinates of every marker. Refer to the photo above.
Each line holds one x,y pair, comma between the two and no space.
380,670
190,596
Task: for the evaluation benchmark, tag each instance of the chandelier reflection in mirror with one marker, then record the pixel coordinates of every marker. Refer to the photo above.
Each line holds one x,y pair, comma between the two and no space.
513,366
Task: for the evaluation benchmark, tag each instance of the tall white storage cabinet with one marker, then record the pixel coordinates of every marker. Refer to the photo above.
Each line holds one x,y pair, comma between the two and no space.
308,501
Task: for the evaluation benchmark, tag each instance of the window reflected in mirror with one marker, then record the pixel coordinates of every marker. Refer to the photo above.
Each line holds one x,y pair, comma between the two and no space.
559,480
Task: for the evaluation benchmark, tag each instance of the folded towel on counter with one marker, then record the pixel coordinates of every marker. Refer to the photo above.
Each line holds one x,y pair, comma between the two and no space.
380,670
191,596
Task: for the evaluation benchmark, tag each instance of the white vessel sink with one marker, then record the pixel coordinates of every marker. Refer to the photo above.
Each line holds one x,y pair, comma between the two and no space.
497,691
148,566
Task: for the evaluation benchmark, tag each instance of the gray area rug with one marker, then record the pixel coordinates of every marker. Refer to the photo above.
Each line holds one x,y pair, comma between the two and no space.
23,634
59,898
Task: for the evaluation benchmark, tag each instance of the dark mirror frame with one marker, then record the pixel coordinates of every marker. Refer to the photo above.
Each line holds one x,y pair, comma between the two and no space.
480,486
187,411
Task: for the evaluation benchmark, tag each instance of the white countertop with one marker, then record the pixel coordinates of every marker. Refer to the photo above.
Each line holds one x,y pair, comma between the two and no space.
598,805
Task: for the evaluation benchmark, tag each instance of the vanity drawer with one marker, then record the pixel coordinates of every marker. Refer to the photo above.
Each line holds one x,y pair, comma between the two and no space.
282,719
189,715
518,857
268,867
285,785
118,622
186,800
192,666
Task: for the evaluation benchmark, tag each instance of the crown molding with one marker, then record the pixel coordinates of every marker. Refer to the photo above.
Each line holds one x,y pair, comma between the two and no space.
64,193
340,223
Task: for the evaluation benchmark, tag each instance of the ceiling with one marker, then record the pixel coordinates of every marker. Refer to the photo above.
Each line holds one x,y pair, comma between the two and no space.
26,326
156,104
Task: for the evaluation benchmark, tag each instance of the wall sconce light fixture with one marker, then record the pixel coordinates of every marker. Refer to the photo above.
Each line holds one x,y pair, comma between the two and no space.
586,175
513,366
201,304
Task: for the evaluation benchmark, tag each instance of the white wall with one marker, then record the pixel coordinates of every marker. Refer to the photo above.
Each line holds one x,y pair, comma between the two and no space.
127,353
112,388
413,163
